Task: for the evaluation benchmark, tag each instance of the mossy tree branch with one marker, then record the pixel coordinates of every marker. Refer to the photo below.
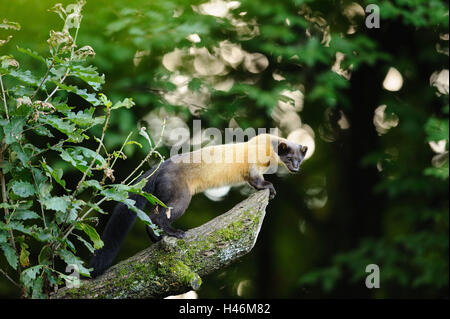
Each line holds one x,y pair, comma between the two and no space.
173,266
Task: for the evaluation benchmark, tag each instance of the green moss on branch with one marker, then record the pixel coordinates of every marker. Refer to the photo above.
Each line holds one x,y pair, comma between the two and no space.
174,266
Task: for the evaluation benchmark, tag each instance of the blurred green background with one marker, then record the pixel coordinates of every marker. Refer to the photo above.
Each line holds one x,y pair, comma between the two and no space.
372,102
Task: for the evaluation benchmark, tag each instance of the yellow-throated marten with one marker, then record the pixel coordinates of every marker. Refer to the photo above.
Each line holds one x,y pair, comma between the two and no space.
182,176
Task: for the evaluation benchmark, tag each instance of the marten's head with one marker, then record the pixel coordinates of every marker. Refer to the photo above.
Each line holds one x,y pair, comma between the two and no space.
291,154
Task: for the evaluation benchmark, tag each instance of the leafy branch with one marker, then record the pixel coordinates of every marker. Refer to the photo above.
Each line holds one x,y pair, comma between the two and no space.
37,200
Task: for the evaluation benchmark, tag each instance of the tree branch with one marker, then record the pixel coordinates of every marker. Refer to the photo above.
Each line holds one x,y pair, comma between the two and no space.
173,266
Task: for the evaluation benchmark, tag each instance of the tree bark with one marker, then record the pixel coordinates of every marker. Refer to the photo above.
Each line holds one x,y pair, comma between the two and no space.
173,266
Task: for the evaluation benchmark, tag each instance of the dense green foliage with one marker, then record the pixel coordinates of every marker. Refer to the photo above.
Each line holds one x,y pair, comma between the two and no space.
374,191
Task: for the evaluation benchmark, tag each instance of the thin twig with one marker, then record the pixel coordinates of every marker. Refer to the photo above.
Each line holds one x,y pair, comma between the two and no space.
43,79
96,152
121,149
9,278
57,87
5,198
4,97
148,155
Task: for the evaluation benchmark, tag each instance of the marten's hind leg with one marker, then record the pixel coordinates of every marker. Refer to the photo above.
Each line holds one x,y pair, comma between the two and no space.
177,200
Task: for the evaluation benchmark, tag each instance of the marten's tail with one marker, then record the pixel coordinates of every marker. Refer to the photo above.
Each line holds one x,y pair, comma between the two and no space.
117,228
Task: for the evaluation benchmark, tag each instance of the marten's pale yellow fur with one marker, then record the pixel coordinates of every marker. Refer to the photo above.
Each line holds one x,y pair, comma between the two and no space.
228,164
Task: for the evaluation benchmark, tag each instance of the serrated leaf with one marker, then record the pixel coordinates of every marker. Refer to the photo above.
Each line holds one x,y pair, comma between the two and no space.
23,189
81,157
42,131
24,214
19,226
32,54
85,118
90,97
113,194
22,154
65,127
59,204
13,130
89,75
29,275
10,255
25,76
126,103
70,259
139,213
3,236
91,183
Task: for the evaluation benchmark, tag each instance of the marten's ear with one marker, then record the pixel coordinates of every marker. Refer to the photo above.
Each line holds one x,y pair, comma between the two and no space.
283,148
303,149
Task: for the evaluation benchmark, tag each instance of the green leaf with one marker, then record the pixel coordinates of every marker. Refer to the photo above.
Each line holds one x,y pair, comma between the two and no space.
25,77
133,142
29,275
127,103
24,255
3,236
81,157
55,174
65,127
44,255
89,75
70,259
140,214
437,129
114,194
10,255
22,154
90,97
32,54
59,204
23,189
85,118
86,243
13,130
439,172
19,226
42,131
24,214
91,183
93,235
